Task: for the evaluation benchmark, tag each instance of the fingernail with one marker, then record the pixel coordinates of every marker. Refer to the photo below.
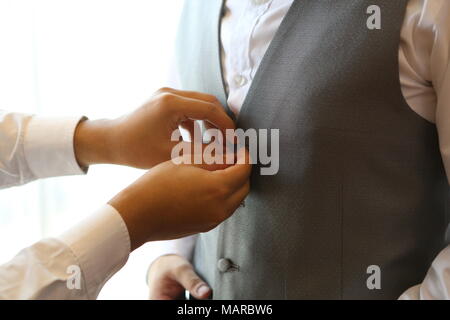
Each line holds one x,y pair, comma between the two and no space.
202,290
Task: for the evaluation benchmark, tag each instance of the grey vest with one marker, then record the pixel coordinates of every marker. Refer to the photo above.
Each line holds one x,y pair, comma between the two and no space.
361,180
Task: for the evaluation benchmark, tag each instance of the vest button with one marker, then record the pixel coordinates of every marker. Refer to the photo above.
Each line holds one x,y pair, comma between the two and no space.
240,80
224,265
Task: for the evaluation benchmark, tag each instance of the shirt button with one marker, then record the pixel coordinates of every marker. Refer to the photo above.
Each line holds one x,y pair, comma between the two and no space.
240,80
224,265
259,2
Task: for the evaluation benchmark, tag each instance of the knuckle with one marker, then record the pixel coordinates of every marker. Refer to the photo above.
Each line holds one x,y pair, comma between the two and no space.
161,264
212,108
163,90
212,98
166,101
166,97
181,269
208,109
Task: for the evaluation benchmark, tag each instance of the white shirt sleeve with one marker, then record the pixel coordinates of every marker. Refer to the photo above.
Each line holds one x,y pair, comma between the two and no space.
74,266
426,42
77,264
33,147
436,285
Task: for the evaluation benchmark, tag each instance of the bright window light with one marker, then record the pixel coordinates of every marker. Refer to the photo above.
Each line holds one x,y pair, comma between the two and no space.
99,58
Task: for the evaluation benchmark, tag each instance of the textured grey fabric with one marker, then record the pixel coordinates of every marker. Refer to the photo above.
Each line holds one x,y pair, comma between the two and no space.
361,179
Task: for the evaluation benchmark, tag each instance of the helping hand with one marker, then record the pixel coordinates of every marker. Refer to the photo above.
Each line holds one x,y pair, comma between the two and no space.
171,275
142,139
173,201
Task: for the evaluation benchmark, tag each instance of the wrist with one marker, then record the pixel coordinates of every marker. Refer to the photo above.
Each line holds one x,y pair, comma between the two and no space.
130,212
93,142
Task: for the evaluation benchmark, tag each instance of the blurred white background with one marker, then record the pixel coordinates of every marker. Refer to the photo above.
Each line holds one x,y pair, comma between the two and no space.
99,58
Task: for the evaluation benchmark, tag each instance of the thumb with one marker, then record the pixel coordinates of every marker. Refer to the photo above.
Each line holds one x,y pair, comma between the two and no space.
237,175
193,283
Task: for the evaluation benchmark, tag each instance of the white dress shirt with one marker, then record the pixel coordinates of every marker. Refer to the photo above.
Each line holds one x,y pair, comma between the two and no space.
33,148
247,29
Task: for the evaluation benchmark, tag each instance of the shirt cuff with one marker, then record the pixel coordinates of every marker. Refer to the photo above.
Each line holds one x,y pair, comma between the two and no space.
49,148
101,244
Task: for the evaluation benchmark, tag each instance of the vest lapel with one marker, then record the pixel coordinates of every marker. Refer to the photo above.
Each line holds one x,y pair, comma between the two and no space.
288,21
205,73
213,53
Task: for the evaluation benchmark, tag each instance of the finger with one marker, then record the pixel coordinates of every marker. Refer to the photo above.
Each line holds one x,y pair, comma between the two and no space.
191,94
195,131
200,110
191,126
193,283
237,175
237,198
209,126
195,157
224,138
211,167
